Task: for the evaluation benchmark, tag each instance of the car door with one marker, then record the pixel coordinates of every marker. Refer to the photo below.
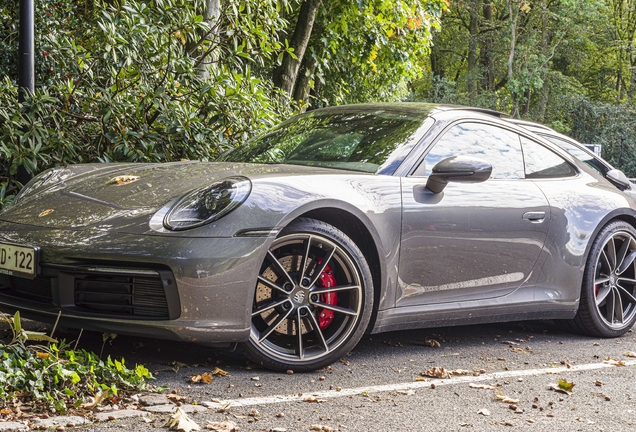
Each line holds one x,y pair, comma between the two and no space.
472,240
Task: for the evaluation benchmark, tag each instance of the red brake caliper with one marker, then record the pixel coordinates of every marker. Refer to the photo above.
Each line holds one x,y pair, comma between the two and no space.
327,280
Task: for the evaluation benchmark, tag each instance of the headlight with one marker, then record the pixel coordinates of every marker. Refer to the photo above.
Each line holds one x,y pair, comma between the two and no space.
207,204
45,177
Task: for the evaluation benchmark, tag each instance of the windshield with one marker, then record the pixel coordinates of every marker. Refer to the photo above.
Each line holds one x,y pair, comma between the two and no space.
369,141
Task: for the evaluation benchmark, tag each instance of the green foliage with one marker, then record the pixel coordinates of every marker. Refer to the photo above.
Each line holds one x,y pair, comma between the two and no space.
58,376
370,49
124,81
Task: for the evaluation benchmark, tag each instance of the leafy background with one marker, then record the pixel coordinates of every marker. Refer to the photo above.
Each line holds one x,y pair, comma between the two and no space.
164,80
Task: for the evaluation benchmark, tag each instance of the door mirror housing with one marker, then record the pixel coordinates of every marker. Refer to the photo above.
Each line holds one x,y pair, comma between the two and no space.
461,169
619,179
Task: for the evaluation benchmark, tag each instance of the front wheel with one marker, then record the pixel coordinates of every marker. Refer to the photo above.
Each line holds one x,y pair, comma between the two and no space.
608,296
313,299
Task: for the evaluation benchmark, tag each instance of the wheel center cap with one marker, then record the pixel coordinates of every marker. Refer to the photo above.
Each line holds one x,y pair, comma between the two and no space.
612,280
299,297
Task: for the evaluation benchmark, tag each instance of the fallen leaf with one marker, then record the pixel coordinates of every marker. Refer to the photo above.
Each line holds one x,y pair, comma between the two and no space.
506,399
420,379
461,372
180,421
630,354
219,371
224,426
205,377
320,428
563,386
484,412
482,386
432,342
177,365
176,398
435,372
124,179
614,362
344,361
314,400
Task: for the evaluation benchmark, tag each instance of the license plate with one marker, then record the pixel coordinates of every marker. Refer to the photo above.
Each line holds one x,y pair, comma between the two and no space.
18,260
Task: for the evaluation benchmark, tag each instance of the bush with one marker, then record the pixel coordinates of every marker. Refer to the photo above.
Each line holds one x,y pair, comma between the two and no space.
124,81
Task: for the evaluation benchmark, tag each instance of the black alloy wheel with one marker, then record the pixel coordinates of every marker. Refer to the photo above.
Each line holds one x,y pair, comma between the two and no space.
312,301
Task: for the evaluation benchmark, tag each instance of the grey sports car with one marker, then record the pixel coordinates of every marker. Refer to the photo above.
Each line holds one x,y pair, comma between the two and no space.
338,222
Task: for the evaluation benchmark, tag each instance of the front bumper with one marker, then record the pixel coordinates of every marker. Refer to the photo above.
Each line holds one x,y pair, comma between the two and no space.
170,287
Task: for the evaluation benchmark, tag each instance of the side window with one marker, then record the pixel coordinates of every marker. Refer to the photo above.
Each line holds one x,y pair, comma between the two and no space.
492,144
541,162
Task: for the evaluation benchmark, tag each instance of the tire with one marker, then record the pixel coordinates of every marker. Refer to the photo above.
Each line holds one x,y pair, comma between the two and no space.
305,320
607,307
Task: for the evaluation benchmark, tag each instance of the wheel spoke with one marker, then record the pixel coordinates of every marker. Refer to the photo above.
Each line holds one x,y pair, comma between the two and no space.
618,306
282,317
268,307
299,333
305,258
601,279
336,308
630,297
602,293
268,283
628,280
323,290
609,306
279,267
322,266
620,256
316,327
611,253
628,260
605,262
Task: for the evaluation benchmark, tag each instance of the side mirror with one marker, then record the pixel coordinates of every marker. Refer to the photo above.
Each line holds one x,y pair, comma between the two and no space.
619,178
462,169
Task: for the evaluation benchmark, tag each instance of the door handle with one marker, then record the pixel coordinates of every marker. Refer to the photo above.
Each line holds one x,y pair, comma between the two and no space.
534,217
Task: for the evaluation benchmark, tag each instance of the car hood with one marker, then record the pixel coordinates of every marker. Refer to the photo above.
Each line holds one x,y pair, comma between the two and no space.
90,194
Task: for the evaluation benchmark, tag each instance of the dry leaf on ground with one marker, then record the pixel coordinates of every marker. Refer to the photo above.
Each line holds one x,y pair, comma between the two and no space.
630,354
461,372
432,342
224,426
435,372
482,386
315,400
506,399
611,361
563,386
320,428
176,398
484,412
180,421
204,378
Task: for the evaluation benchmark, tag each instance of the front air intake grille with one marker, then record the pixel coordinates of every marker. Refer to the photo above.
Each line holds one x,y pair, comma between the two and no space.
38,289
122,295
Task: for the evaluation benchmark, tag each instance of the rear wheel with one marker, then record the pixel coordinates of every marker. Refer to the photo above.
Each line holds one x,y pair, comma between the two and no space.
608,297
312,301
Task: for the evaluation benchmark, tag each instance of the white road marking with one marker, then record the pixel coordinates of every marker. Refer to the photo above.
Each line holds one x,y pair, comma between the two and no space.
266,400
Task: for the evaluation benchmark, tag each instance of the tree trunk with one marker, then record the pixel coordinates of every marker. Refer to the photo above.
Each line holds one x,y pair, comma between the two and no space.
211,16
473,29
486,54
303,82
285,76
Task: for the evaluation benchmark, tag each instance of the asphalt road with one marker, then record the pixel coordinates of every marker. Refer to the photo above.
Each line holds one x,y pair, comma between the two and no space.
376,387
